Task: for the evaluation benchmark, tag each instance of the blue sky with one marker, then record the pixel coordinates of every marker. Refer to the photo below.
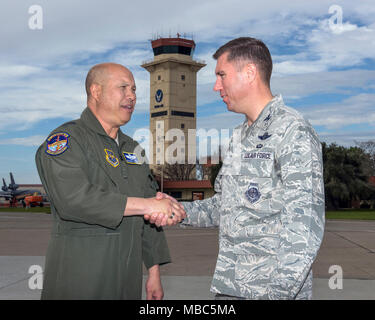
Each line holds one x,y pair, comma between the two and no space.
323,54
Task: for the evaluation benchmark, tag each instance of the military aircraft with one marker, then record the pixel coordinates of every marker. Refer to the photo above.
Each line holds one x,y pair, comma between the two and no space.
11,193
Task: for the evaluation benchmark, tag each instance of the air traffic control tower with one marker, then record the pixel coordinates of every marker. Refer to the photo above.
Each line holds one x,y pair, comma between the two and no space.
173,103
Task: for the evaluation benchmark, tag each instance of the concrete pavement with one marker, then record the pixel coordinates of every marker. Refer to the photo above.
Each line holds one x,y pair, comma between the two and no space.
350,245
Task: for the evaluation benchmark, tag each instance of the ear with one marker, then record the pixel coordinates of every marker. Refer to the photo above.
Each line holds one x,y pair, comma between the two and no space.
96,90
251,71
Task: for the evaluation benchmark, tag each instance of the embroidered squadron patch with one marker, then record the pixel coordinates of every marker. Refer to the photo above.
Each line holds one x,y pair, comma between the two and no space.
57,143
111,158
253,194
130,158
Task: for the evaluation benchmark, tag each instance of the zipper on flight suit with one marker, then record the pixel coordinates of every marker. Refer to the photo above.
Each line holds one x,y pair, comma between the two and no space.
124,173
124,169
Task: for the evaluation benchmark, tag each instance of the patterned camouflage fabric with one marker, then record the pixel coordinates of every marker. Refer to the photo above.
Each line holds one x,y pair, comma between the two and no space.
269,206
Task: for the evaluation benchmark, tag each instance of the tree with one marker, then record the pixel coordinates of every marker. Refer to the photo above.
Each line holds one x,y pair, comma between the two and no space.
215,168
369,148
177,171
346,175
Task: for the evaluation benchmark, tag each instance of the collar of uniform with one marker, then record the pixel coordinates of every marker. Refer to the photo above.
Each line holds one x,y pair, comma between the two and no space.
123,138
265,117
92,122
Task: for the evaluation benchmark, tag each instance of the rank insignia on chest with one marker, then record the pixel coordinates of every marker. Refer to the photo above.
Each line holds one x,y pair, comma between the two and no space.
130,158
57,143
253,194
268,118
111,158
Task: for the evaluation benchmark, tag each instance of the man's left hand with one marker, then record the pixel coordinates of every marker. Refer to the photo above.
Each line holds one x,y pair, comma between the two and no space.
154,289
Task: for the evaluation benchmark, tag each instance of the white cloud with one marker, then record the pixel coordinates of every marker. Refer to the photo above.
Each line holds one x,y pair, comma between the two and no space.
226,120
43,72
8,72
356,110
36,140
334,82
326,48
44,96
74,29
347,138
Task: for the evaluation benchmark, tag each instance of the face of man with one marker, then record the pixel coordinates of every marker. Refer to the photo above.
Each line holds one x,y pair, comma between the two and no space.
231,84
117,98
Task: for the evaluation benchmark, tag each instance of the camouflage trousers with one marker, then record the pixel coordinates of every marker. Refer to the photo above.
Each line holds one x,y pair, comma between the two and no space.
304,294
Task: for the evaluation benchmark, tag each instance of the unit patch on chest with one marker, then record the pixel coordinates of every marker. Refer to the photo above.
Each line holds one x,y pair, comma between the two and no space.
111,158
253,193
131,158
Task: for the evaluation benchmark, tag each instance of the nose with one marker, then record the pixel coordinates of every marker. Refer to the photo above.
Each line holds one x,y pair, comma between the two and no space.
131,95
218,86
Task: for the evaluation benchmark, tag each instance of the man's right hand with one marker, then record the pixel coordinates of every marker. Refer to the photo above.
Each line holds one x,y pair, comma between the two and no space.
159,219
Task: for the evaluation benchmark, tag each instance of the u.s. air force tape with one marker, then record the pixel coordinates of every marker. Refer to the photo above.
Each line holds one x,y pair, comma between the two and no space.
256,155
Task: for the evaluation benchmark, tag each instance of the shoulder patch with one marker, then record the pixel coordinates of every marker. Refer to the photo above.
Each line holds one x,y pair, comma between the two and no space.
57,143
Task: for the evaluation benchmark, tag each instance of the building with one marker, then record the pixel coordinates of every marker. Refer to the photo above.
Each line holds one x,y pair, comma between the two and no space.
173,74
188,190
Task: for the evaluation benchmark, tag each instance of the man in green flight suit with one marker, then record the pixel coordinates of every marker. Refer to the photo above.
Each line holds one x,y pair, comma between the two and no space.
99,191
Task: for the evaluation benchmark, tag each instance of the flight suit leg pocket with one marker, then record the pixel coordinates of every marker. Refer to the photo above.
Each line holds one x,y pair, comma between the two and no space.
91,264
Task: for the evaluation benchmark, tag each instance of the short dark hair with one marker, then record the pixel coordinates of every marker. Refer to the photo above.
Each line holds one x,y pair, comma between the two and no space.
249,49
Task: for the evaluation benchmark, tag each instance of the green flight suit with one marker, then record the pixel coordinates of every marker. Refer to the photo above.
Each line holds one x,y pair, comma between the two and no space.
95,252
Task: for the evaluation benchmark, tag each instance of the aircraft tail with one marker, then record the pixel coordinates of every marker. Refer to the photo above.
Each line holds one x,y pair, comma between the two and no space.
12,178
4,187
13,185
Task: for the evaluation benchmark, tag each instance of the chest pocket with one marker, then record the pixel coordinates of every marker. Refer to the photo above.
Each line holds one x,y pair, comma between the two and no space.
257,163
255,181
96,169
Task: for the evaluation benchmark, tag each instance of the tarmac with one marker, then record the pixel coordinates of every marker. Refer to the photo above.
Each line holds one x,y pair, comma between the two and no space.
344,268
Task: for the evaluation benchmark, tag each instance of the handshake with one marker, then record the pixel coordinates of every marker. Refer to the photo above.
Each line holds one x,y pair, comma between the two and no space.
165,210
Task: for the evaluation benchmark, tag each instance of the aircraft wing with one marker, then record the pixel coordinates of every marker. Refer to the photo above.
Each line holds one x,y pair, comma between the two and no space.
6,195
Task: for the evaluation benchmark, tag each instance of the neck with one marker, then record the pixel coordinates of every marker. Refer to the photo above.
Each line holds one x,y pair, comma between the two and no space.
112,132
257,103
109,129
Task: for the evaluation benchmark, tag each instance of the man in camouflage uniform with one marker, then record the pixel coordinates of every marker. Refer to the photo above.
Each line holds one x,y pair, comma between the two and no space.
269,200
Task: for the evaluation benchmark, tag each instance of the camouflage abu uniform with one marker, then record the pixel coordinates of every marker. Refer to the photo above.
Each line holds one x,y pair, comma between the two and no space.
270,208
